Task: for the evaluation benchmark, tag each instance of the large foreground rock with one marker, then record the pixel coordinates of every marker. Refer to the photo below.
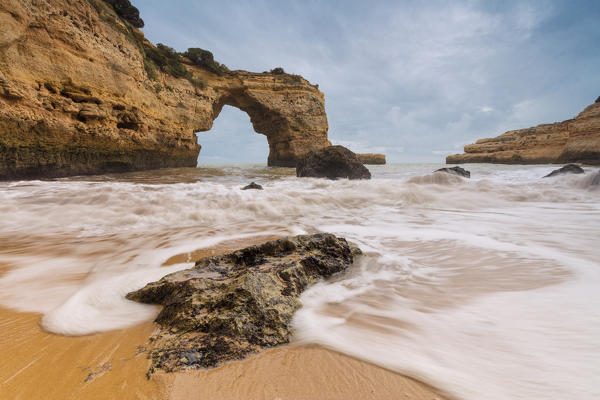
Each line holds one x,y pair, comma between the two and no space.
231,305
332,162
81,94
572,141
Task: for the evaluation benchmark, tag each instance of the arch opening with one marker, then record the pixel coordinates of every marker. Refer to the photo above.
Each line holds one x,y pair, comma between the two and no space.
232,140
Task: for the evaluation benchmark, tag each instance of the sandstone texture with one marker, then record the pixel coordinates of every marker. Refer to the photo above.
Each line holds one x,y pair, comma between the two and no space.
229,306
371,158
332,162
456,171
574,140
80,93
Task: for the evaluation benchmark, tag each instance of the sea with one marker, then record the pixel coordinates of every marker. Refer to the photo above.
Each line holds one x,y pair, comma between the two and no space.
486,288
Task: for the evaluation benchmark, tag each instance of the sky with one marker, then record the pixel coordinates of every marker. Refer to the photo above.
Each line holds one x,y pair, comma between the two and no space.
416,80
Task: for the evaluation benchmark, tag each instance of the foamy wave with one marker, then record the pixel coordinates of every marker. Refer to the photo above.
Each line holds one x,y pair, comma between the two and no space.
484,287
591,181
438,178
100,305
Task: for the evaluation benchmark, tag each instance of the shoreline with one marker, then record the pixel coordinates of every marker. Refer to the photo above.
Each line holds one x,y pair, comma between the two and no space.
37,364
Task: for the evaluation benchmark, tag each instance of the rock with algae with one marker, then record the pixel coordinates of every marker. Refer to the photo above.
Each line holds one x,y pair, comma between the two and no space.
231,305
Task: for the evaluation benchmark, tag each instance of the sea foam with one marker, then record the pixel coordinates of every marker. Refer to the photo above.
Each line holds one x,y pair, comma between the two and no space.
483,287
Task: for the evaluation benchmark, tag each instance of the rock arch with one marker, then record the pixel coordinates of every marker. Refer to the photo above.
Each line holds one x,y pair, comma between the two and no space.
292,117
79,99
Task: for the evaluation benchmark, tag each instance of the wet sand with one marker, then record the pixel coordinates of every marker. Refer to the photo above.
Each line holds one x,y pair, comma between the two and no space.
298,373
39,365
36,364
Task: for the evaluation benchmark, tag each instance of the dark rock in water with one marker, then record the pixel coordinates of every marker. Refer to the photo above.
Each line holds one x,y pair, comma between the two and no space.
232,305
252,185
597,100
332,162
456,171
567,169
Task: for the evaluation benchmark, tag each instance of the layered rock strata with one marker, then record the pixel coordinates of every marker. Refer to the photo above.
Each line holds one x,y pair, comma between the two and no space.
371,158
229,306
77,97
573,140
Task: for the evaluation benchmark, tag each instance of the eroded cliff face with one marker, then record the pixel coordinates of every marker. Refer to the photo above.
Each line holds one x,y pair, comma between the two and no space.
76,98
573,140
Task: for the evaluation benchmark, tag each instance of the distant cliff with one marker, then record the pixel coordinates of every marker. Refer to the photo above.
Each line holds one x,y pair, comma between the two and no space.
83,92
573,140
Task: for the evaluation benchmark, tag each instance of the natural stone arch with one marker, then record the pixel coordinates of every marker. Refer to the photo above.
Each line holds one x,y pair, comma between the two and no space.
81,100
291,117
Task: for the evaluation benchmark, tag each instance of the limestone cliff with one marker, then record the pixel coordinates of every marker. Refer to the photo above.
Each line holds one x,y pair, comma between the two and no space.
371,158
573,140
80,94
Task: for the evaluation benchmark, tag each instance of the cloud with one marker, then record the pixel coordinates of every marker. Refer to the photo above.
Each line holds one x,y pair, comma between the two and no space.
411,75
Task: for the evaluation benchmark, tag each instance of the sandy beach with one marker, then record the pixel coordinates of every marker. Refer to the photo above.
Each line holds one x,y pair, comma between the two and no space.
112,365
458,287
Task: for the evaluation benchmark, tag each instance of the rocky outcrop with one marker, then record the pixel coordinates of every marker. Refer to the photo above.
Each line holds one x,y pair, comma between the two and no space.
332,162
574,140
80,93
235,304
567,169
455,171
371,158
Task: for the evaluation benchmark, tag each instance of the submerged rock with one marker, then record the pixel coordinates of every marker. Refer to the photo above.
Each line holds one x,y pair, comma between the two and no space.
252,185
231,305
567,169
456,171
332,162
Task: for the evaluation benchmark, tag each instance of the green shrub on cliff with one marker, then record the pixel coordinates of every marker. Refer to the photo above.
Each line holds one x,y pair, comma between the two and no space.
128,12
165,58
290,79
198,82
205,59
